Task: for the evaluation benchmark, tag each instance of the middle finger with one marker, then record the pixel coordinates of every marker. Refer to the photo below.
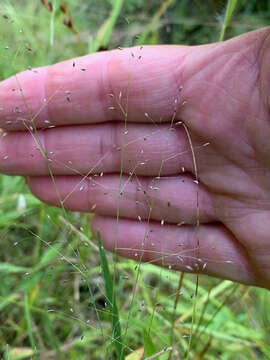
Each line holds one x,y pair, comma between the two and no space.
144,149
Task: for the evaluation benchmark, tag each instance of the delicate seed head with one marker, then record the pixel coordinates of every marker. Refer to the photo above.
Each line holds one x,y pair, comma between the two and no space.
179,123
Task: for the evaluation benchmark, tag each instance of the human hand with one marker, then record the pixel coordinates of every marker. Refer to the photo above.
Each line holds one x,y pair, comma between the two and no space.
113,114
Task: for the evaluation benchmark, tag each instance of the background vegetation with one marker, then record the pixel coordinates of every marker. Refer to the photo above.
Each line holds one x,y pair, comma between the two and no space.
55,299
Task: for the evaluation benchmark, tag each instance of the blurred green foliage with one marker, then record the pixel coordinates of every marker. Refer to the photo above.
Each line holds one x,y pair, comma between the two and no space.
52,294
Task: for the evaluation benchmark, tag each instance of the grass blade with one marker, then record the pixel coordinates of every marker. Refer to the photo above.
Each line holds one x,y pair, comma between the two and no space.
29,324
149,347
104,33
231,4
153,23
110,294
7,268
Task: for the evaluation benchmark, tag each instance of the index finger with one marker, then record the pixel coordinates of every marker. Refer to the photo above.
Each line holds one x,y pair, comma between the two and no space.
118,85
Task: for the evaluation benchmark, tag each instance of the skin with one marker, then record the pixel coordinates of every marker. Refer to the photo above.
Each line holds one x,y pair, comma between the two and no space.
225,88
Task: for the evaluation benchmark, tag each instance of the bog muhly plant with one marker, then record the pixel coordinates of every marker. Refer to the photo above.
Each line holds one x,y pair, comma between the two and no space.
62,294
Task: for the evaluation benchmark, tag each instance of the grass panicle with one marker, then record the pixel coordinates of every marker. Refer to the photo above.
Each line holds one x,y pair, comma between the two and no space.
62,296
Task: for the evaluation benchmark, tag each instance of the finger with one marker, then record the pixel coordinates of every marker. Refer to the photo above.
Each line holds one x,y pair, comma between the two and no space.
218,254
171,199
144,149
96,88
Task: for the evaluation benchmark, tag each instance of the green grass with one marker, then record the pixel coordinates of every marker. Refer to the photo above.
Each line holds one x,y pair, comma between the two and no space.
231,5
111,299
62,296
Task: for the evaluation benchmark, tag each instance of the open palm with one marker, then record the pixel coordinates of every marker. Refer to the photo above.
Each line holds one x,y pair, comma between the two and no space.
115,128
